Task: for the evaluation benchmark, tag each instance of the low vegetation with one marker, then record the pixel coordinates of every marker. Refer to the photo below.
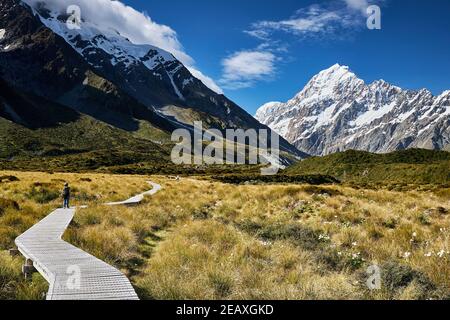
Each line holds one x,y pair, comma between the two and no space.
205,239
12,283
27,197
246,178
414,167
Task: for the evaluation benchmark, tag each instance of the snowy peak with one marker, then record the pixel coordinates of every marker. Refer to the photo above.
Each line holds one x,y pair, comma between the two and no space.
139,67
382,86
337,111
268,109
92,36
334,75
336,81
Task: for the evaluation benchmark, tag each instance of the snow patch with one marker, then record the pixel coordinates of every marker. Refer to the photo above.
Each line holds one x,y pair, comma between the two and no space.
282,128
2,33
374,114
121,49
405,116
175,88
265,111
187,82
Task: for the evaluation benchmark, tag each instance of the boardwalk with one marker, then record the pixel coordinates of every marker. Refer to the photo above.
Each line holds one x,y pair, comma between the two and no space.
72,273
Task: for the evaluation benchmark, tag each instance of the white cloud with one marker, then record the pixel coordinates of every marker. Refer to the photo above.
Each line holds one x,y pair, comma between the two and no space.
243,68
330,18
138,27
333,18
209,82
260,34
312,21
357,4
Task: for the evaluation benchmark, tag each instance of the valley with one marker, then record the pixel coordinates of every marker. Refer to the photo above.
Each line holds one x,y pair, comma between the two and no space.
203,239
361,179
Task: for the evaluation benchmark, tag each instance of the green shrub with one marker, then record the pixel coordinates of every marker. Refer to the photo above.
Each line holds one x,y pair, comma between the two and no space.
424,218
42,195
297,234
331,258
221,283
390,223
314,179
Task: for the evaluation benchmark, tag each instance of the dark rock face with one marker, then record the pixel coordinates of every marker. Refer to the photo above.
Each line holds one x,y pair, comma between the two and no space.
31,54
32,111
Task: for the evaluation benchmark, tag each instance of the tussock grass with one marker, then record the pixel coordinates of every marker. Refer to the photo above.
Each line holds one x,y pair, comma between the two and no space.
202,239
209,260
332,233
27,197
12,284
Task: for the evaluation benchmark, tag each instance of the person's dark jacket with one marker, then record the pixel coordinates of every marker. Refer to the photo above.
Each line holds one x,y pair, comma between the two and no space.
66,193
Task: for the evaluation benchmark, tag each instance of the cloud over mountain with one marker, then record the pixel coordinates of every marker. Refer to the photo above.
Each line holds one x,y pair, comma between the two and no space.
138,27
334,19
243,68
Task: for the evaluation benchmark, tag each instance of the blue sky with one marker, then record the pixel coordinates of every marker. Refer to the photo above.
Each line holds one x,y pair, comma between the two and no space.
260,51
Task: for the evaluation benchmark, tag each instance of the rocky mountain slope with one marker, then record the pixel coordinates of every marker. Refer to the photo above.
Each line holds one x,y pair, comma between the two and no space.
98,73
36,61
34,126
337,111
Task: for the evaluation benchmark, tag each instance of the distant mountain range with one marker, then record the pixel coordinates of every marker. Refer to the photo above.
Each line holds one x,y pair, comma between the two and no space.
66,92
337,111
94,79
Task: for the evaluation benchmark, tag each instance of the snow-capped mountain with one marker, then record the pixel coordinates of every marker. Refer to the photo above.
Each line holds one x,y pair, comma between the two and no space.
107,51
337,111
99,72
110,53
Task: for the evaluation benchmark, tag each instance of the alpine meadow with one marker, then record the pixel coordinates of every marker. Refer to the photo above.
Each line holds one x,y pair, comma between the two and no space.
141,157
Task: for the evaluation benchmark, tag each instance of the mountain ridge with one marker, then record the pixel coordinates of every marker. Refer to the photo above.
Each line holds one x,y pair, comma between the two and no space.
68,70
337,111
151,75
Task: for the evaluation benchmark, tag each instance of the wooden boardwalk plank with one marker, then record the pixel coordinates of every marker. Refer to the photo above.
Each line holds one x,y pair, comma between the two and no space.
60,262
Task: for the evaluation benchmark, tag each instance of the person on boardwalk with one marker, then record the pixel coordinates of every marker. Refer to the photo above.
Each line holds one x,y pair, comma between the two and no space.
66,196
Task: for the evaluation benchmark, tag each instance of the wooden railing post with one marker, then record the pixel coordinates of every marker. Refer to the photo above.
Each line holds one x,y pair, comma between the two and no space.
28,269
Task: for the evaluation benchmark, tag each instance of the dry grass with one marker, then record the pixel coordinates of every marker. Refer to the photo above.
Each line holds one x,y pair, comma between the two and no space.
199,239
12,284
27,197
